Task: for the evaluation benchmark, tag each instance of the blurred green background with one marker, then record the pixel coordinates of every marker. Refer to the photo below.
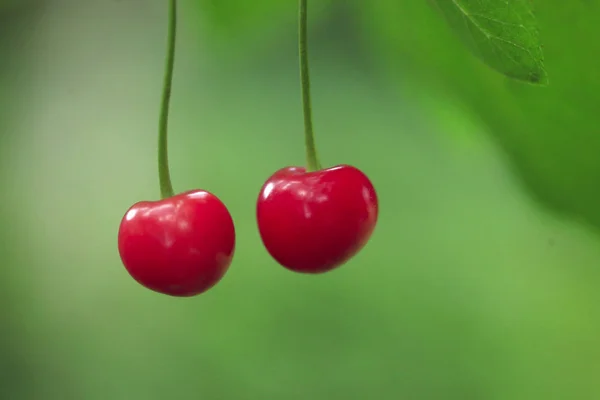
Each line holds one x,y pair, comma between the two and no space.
480,282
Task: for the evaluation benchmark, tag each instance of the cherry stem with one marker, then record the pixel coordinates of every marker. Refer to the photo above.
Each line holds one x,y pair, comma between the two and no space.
166,187
312,161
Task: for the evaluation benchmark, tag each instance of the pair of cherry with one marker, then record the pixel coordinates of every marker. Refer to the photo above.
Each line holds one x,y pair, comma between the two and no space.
311,220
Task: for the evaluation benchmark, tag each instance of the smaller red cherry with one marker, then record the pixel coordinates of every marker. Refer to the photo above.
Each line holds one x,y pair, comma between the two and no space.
313,222
180,246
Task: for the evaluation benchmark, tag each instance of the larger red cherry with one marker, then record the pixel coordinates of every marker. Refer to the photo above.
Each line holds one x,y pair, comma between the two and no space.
179,246
313,222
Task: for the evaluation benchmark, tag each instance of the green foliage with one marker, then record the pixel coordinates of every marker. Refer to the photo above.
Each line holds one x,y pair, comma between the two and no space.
502,33
550,134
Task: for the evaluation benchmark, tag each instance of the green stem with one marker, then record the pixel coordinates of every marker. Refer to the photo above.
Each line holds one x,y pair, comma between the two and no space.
312,161
166,187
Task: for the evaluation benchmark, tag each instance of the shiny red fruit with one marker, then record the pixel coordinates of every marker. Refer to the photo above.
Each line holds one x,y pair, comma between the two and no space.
179,246
313,222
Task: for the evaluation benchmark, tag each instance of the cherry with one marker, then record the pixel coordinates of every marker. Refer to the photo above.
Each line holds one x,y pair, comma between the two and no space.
313,222
180,246
183,244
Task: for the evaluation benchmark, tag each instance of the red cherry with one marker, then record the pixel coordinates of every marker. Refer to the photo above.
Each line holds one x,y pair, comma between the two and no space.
313,222
179,246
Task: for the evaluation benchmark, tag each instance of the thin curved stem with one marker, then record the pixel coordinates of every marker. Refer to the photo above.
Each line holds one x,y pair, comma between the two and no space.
312,160
166,187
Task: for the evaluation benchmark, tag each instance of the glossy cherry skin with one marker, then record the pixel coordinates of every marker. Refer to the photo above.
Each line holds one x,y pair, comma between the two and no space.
180,246
313,222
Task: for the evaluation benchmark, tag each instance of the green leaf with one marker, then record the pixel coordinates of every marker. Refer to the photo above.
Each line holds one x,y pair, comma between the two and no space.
502,33
550,134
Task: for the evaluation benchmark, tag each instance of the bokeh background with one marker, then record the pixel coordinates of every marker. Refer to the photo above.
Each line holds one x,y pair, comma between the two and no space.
480,282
